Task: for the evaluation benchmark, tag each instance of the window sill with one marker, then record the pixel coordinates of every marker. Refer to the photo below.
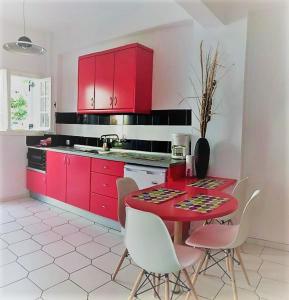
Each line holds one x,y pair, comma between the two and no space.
22,133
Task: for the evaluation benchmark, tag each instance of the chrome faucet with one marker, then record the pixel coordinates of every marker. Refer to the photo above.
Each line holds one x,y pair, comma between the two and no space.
108,139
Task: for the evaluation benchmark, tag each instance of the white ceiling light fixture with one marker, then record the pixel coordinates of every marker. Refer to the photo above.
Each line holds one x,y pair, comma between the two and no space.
24,44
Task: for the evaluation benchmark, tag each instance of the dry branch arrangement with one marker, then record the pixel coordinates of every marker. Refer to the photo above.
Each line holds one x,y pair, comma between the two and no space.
209,62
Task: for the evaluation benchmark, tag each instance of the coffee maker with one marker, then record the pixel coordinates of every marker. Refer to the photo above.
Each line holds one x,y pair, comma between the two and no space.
180,145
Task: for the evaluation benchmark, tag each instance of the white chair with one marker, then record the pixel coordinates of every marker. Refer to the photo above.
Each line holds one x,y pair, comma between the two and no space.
238,193
125,186
150,246
226,237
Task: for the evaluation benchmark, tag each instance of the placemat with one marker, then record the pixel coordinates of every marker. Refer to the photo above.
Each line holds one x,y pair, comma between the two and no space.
207,183
159,195
202,203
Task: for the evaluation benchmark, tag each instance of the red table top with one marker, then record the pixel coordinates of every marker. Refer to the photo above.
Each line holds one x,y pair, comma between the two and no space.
167,210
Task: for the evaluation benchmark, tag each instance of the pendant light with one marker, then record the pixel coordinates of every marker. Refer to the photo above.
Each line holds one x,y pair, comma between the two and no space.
24,44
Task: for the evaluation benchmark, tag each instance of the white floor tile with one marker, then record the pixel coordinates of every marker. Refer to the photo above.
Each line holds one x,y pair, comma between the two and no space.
9,227
273,290
274,271
11,273
226,293
46,214
77,239
111,291
251,262
66,290
28,220
58,248
253,249
94,230
6,257
65,229
108,262
119,249
72,262
47,237
208,286
81,222
92,250
109,239
3,244
277,256
5,218
35,260
48,276
20,290
24,247
20,213
37,228
38,207
128,275
15,236
90,278
55,221
69,216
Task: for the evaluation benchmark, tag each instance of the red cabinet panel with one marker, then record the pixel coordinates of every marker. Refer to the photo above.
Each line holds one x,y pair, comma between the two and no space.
104,184
109,167
78,181
56,175
104,73
104,206
86,73
36,182
124,79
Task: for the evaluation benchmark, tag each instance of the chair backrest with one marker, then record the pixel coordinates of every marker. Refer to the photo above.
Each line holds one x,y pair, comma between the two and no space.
124,186
247,217
149,243
238,191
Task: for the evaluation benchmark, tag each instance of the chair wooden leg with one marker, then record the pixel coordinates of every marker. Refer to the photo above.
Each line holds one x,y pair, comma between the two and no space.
167,287
136,285
232,273
197,270
124,255
238,252
192,291
206,262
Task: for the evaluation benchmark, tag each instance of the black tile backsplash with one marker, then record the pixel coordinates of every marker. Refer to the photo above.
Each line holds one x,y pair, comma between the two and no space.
140,145
157,117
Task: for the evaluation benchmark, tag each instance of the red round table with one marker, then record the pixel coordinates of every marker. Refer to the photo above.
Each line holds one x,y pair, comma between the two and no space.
167,210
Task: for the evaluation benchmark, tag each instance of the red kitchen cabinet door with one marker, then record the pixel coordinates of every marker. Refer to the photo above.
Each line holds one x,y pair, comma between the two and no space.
104,184
104,74
36,182
56,175
86,74
78,181
124,79
104,206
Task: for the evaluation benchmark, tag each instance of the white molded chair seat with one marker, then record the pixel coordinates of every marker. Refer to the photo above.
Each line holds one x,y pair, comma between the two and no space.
213,236
186,256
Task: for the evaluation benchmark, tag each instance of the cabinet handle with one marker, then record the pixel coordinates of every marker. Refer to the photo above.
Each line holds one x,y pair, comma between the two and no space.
115,101
104,185
111,101
92,101
105,167
68,160
103,206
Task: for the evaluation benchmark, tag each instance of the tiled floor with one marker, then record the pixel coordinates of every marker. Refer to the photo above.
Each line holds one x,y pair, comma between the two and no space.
48,253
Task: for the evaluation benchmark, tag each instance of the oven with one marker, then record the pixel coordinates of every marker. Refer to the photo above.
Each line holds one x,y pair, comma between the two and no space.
36,159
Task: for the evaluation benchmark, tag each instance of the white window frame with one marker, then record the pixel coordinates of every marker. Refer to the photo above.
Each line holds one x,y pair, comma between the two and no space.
6,130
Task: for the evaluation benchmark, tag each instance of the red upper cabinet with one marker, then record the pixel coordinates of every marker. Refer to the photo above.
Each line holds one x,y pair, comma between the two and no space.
103,83
78,181
56,175
86,74
122,80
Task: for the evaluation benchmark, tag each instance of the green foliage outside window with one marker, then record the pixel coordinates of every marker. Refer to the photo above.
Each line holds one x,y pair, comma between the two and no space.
18,108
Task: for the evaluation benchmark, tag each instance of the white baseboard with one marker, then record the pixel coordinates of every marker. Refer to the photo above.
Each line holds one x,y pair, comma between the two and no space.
15,197
269,244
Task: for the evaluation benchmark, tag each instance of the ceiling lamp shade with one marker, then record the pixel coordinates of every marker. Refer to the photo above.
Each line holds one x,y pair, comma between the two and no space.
24,44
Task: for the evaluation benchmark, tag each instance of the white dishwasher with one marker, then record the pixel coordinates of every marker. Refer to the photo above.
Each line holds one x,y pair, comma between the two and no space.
145,176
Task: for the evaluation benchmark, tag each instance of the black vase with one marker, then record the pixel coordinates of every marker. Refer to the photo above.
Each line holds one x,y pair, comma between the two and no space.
202,157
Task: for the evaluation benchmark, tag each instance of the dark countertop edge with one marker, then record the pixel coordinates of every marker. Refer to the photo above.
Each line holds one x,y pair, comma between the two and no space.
164,164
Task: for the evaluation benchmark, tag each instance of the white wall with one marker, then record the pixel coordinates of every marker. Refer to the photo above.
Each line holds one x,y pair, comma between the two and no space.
13,147
176,51
266,121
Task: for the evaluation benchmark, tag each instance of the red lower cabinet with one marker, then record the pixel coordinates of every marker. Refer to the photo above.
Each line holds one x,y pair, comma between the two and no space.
78,181
36,182
104,206
56,175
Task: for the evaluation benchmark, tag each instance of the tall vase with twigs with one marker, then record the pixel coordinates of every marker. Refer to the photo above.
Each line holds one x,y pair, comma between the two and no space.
209,65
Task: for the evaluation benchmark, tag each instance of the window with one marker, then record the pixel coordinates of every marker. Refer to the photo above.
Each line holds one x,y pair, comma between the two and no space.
25,102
